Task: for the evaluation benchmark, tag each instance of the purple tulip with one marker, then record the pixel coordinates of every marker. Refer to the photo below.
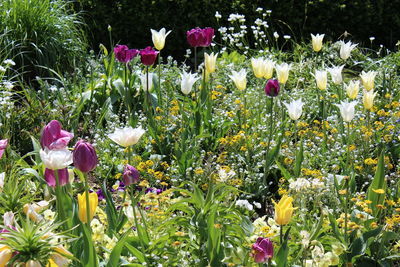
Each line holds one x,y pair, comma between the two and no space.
263,250
124,54
85,157
3,146
53,137
148,56
63,177
131,175
272,88
200,37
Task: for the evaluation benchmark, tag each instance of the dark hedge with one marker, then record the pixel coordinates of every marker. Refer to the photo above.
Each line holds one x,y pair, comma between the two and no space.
131,20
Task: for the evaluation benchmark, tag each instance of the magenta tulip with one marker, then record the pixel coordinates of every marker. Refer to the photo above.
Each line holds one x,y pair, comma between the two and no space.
272,88
3,146
131,175
63,177
53,137
263,250
85,157
124,54
148,56
198,37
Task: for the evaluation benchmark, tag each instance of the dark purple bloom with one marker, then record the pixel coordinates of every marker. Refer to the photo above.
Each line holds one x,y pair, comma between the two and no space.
272,88
198,37
85,157
131,175
50,177
53,137
263,250
124,54
3,146
100,194
148,56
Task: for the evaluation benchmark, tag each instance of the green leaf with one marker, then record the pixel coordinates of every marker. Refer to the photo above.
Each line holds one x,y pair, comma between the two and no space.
116,252
110,209
282,255
283,170
299,160
378,183
89,256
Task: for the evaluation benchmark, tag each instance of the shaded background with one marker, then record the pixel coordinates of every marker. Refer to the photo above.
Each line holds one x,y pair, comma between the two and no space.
131,20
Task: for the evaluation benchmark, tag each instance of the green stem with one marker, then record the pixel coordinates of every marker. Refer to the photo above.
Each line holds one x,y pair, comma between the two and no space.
87,201
133,203
195,59
59,205
281,234
271,111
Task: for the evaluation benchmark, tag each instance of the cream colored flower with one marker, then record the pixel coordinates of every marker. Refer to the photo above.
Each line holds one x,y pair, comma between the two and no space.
368,79
352,89
317,41
158,38
282,71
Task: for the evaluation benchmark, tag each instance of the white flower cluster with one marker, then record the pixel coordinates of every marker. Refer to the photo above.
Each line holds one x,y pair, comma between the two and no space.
303,185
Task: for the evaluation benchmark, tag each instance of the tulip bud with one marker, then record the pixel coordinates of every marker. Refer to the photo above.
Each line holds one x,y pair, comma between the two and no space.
282,71
124,54
131,175
5,255
368,99
284,210
317,41
210,61
262,250
239,78
321,78
93,202
158,38
63,177
367,79
85,157
148,56
32,263
3,146
352,89
272,88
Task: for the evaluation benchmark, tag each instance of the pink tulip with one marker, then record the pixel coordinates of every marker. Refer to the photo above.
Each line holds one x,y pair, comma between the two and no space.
263,250
53,137
124,54
148,56
50,177
200,37
3,146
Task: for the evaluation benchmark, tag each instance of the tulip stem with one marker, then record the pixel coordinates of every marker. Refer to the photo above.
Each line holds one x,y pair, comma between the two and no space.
58,198
269,137
281,234
159,80
195,59
87,201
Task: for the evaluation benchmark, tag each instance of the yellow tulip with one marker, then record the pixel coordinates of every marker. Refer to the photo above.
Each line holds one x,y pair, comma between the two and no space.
93,202
368,99
239,78
210,62
321,77
269,68
158,38
317,41
5,255
259,68
284,210
352,89
367,79
282,71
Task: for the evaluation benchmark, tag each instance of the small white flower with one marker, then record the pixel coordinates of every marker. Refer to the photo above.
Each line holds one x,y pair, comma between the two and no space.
217,15
243,203
276,35
127,136
56,159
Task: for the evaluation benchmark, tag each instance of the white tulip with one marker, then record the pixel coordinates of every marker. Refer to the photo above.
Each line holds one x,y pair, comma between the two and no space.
317,41
295,109
239,78
368,99
56,159
158,38
258,65
210,62
336,74
2,177
347,110
143,80
352,89
269,68
127,136
187,81
346,48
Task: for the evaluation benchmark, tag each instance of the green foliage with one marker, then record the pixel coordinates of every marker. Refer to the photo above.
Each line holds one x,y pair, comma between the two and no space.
41,34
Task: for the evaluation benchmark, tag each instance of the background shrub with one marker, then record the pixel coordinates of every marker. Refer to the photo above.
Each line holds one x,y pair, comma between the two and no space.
41,33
